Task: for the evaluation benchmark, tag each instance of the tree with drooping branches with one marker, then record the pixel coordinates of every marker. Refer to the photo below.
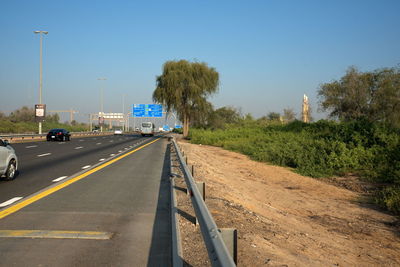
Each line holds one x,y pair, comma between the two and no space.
183,87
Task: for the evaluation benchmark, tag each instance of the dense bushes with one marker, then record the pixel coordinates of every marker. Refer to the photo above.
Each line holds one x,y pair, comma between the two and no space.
324,148
23,121
7,127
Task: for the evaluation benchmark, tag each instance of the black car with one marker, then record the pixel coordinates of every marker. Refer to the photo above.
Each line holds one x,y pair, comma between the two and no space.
58,135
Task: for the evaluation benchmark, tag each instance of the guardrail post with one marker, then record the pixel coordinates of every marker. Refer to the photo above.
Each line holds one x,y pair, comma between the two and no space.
229,236
193,171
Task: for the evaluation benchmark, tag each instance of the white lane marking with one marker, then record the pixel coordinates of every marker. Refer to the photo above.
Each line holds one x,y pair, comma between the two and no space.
78,147
43,155
98,144
30,146
60,178
85,167
102,159
61,143
112,155
81,140
112,141
119,151
126,148
9,202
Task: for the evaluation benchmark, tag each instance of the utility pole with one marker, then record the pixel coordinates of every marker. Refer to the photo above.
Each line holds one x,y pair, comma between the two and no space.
123,113
101,117
40,72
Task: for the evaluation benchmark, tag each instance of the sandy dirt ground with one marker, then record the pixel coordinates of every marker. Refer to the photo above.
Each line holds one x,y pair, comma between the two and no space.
285,219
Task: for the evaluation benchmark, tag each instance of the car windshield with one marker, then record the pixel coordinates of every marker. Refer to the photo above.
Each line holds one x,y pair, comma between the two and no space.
52,131
146,124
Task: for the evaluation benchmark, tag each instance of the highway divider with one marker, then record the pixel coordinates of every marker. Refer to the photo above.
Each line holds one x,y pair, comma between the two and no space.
19,138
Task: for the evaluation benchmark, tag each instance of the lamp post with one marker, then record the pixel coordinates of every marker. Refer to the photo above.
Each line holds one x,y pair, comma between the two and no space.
101,117
40,75
123,112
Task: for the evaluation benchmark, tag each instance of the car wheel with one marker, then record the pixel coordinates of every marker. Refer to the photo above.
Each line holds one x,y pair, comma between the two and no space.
69,138
11,171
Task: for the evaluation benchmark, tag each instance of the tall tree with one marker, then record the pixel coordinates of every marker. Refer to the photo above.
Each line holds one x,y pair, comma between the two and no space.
184,87
224,115
23,114
201,115
369,95
273,116
289,114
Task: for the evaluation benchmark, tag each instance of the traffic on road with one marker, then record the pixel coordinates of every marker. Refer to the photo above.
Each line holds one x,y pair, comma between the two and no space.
43,163
94,201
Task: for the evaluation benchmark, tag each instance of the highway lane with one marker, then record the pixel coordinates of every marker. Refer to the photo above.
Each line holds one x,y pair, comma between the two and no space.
127,200
43,163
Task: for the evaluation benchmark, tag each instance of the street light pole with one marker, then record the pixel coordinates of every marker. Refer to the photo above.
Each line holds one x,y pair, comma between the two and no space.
101,104
123,112
41,73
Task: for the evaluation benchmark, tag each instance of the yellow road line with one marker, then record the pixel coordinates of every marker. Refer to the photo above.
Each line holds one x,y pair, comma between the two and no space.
51,190
55,234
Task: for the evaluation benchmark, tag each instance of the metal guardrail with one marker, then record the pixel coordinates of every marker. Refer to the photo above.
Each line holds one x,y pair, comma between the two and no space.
30,137
216,248
176,235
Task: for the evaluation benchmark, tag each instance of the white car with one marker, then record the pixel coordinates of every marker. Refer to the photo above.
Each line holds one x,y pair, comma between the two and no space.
118,132
8,161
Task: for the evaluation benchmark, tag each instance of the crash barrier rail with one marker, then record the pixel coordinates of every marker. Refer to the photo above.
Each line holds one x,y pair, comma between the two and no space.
177,254
212,236
12,138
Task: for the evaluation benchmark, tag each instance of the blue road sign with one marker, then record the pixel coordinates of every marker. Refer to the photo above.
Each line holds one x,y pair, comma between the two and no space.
147,111
138,110
155,110
178,126
166,128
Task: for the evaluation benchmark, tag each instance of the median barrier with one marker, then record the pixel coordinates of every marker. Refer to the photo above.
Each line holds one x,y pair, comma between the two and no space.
20,138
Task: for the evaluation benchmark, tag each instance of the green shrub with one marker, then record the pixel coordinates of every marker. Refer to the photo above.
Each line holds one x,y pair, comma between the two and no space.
389,198
178,130
7,126
319,149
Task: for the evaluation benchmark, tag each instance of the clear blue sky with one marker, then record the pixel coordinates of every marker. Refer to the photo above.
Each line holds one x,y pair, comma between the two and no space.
268,53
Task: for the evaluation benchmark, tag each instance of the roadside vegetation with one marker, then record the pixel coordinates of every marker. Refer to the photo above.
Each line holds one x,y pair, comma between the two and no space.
320,149
23,121
183,87
362,139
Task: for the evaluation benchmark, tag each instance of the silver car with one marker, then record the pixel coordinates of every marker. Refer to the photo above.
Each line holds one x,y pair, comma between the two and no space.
8,161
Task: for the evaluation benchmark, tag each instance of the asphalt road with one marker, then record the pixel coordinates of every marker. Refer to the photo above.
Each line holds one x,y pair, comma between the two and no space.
42,162
116,216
